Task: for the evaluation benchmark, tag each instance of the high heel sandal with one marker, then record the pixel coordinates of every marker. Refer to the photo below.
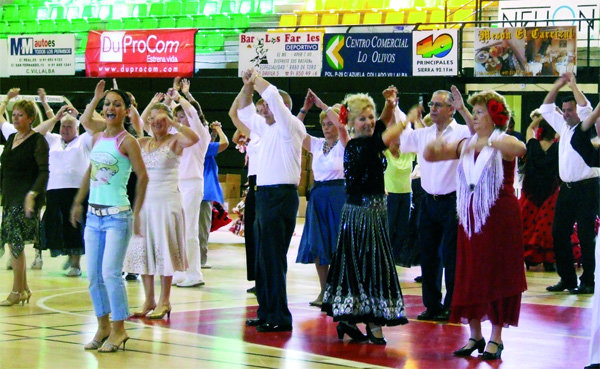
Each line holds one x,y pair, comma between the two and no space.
109,347
13,298
373,339
478,345
25,296
351,330
160,313
95,344
144,312
493,356
318,301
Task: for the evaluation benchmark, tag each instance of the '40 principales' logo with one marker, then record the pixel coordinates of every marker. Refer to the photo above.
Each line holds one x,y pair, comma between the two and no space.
440,47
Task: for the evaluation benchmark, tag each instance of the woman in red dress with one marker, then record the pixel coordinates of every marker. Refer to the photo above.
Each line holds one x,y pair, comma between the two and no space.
540,190
490,275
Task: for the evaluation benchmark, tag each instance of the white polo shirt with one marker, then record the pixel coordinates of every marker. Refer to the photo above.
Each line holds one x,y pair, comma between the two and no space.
437,178
279,153
571,167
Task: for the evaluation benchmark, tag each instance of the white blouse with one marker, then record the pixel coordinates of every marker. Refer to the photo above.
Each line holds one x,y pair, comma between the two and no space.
327,167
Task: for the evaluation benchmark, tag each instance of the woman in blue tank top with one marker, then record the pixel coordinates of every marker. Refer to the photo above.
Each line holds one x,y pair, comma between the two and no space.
109,216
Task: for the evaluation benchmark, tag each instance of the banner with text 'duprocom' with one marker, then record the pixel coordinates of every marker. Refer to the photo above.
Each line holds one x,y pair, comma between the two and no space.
140,53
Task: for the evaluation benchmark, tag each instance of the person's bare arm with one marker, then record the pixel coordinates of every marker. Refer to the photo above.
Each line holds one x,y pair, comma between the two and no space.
579,96
13,92
530,133
308,103
391,100
158,97
77,207
241,127
131,148
87,119
185,137
558,84
223,140
47,125
47,109
459,106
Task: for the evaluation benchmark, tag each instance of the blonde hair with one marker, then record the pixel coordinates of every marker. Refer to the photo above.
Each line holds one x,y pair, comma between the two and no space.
484,97
356,103
163,107
323,114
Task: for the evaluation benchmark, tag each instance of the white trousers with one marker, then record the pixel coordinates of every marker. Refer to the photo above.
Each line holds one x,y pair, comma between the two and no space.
204,229
595,340
192,191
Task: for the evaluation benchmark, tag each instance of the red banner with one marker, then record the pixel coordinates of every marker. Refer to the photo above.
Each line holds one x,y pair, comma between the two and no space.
140,53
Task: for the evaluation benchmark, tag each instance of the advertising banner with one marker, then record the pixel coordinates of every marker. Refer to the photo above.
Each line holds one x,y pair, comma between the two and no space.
367,55
580,13
526,51
140,53
281,54
435,52
3,56
47,55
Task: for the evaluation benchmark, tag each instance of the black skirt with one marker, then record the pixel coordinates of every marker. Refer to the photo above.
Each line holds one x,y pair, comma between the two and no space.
57,233
362,283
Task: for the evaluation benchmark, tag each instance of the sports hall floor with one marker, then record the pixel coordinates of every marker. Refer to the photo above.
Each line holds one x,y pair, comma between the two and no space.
206,328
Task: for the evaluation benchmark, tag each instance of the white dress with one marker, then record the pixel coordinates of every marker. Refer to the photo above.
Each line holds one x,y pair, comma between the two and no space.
161,248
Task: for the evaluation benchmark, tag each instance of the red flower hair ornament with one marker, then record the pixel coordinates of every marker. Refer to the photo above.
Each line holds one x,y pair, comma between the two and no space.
343,115
497,112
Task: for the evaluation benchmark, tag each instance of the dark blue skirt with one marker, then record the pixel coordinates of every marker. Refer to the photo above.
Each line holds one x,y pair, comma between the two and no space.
322,222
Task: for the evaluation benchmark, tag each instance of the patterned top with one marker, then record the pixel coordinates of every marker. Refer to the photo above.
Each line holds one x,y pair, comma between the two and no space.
110,172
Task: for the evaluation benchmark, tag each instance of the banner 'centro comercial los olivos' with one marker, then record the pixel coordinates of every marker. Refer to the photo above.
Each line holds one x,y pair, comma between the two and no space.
140,53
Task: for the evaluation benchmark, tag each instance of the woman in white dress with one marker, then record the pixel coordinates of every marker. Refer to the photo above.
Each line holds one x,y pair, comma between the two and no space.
161,248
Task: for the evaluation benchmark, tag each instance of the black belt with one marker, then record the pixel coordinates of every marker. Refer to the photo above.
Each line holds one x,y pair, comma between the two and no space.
442,197
581,183
332,182
276,186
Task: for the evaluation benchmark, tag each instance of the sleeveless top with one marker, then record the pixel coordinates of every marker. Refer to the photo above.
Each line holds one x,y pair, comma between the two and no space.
110,172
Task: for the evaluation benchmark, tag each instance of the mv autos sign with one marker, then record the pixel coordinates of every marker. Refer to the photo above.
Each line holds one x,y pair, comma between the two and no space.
50,55
140,53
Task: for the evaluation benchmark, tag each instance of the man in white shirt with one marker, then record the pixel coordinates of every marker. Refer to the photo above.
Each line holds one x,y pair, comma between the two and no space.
437,223
579,193
278,173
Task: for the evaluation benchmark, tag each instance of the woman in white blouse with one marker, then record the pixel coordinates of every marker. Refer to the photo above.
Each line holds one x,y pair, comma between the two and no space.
327,196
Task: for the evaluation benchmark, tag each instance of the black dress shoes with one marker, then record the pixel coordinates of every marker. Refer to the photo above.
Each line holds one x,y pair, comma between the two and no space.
561,286
583,289
437,316
254,322
464,351
493,356
268,327
593,366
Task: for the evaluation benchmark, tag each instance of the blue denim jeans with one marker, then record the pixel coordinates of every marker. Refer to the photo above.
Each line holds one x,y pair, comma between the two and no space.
106,241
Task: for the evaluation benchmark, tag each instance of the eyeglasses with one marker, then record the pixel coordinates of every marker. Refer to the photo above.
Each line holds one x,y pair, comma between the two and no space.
437,105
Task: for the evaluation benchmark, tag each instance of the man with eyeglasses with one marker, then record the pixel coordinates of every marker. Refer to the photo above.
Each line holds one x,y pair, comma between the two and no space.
437,223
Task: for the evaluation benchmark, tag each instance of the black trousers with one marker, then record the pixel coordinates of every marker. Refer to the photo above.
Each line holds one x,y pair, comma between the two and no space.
438,226
576,202
249,216
276,209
